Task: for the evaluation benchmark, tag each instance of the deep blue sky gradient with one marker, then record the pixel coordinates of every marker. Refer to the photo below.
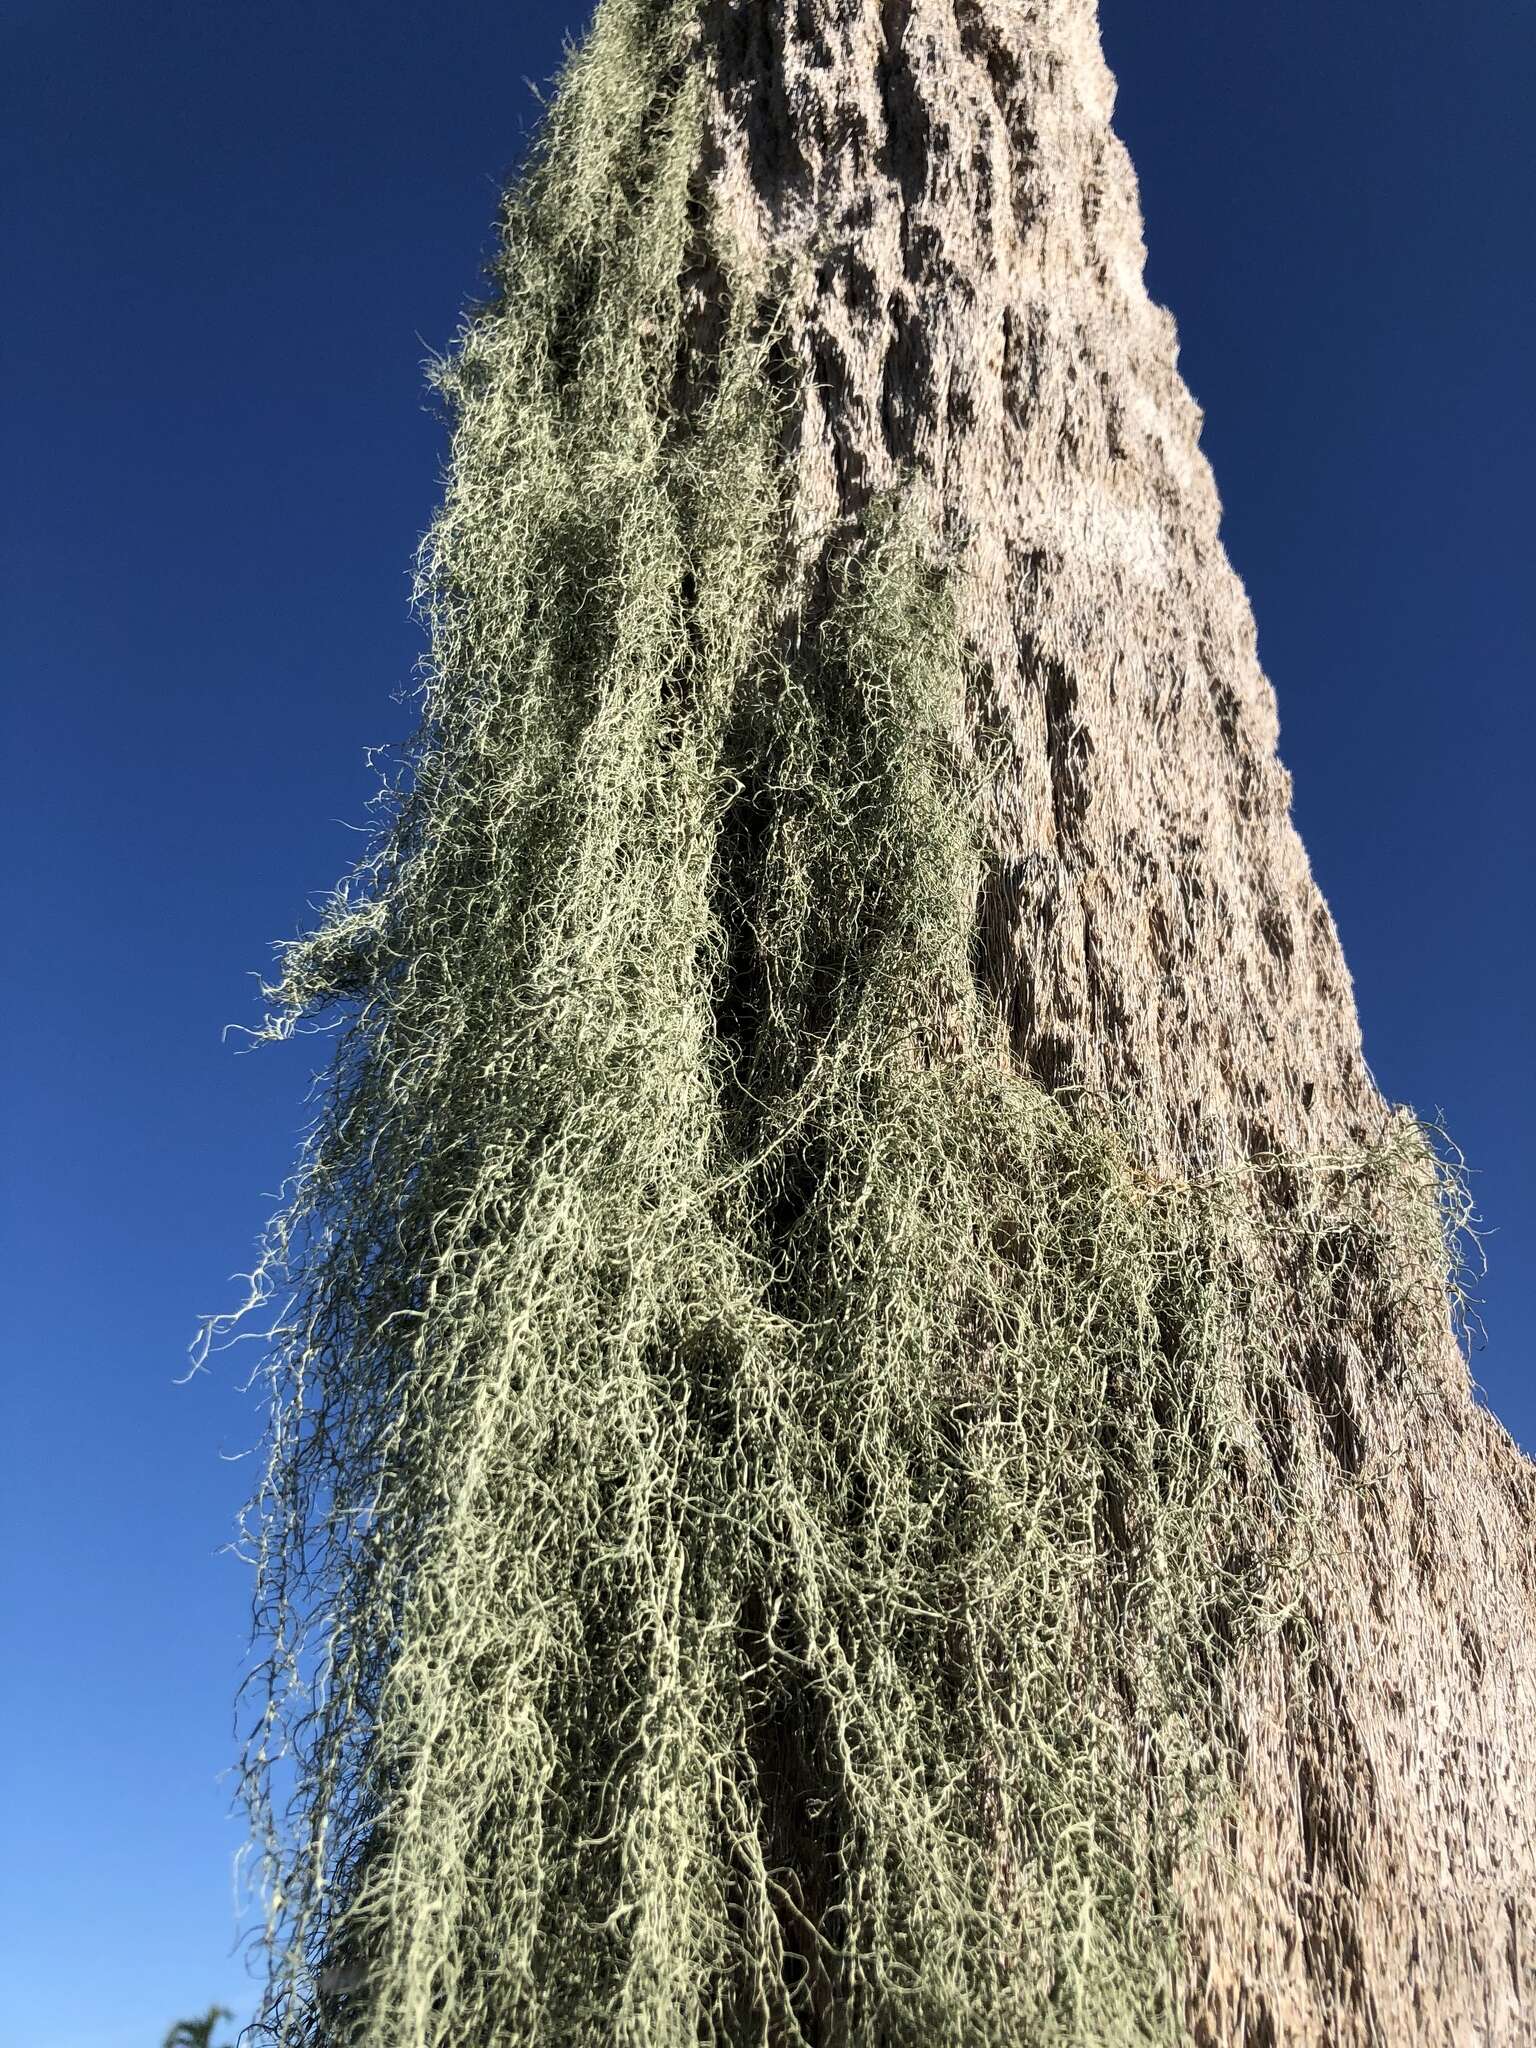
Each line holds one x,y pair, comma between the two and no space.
233,236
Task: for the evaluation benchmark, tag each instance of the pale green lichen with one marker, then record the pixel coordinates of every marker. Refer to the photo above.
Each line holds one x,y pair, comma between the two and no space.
762,1498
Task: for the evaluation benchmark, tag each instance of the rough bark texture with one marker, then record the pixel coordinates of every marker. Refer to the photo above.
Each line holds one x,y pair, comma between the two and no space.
975,312
942,178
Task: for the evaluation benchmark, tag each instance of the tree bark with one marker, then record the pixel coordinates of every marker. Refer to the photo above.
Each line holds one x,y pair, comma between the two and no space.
942,180
945,179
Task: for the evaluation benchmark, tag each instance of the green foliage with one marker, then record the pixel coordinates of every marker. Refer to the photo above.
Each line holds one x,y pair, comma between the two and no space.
762,1499
197,2033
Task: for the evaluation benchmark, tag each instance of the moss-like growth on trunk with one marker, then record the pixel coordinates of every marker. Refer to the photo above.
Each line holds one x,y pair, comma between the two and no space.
763,1500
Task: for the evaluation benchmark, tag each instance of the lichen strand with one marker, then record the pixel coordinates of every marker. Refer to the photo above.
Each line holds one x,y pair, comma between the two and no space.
763,1499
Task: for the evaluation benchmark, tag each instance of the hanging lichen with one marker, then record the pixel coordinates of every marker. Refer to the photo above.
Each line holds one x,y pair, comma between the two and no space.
762,1498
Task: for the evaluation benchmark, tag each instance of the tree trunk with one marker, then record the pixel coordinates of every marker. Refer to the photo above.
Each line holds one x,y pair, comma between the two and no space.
920,1482
946,183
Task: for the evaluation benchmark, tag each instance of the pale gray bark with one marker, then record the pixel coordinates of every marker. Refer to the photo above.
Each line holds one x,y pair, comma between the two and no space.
941,181
940,184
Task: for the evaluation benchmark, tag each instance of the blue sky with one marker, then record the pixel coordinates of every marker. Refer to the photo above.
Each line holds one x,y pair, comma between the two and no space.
234,236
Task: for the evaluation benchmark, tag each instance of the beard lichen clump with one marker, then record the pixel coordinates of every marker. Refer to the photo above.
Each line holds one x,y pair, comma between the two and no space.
762,1498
